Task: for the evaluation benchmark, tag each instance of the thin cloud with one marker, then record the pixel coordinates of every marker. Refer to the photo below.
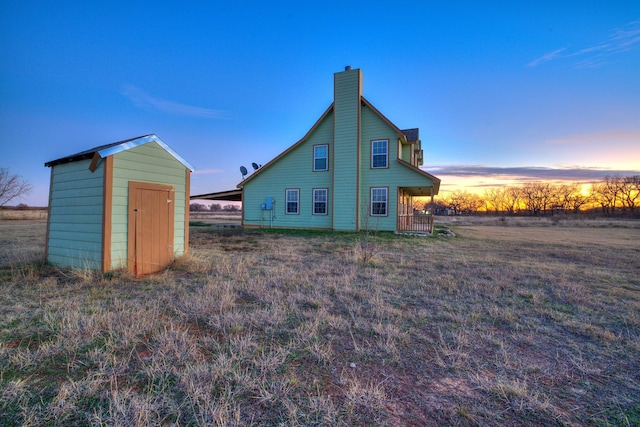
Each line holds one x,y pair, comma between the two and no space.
547,57
626,38
143,100
620,40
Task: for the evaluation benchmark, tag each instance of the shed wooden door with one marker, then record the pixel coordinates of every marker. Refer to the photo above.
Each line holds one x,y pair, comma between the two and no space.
150,241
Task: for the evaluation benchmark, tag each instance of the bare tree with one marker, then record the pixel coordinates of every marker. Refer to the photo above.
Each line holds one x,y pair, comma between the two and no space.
439,206
606,193
230,208
452,202
576,199
512,199
473,203
630,192
463,202
197,207
536,197
12,186
420,203
566,198
495,199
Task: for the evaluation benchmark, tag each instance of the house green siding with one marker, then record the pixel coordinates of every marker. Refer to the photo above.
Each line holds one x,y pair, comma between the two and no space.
293,171
375,128
145,163
405,152
75,216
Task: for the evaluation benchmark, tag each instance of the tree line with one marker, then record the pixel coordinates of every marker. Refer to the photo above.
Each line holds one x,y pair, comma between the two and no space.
613,195
215,207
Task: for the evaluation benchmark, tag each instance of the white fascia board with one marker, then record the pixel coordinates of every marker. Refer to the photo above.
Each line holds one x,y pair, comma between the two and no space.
141,141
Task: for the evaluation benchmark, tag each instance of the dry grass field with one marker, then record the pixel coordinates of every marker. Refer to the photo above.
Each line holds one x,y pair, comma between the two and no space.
508,323
23,214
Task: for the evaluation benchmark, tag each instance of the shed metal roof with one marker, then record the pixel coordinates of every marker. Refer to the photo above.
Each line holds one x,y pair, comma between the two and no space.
117,147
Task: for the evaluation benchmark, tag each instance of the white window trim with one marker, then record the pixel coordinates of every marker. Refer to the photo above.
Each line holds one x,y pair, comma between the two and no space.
386,202
326,201
288,191
386,164
315,158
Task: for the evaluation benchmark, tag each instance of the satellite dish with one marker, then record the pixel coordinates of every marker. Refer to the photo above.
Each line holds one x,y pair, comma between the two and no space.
243,171
255,166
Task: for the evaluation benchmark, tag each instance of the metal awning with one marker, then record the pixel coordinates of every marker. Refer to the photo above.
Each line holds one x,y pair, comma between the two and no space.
229,196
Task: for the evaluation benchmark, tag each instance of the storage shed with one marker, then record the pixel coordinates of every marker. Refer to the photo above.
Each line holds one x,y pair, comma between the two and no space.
120,205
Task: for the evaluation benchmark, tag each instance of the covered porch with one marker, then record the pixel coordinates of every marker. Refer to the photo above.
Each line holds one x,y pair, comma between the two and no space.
414,220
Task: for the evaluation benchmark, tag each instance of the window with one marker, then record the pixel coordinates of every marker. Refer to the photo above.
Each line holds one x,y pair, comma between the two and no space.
320,157
293,199
380,153
379,201
320,201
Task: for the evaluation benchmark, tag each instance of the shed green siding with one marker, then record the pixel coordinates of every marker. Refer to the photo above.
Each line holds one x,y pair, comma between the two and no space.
90,184
75,216
145,163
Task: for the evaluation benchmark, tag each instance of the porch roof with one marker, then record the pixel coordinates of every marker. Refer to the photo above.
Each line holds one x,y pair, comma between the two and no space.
419,190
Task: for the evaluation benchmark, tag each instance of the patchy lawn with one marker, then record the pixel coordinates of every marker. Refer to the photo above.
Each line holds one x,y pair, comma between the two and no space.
497,326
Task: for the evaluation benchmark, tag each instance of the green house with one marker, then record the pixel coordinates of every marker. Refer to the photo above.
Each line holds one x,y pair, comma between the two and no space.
123,205
353,170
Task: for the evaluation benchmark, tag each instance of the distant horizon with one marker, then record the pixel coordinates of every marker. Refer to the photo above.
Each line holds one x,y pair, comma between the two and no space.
477,178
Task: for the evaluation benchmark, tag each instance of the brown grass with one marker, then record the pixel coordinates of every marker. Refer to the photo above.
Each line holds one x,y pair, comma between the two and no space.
23,214
518,325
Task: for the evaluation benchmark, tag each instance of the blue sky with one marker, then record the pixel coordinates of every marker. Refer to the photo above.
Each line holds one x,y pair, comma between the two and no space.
501,91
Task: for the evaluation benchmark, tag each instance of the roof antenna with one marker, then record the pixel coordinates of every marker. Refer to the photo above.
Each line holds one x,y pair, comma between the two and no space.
243,171
255,166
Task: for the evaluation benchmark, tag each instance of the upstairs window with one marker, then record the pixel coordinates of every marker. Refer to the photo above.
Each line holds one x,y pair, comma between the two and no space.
379,201
320,157
292,201
320,201
380,153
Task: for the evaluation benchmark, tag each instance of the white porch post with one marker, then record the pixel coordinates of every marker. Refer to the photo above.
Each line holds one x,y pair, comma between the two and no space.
431,219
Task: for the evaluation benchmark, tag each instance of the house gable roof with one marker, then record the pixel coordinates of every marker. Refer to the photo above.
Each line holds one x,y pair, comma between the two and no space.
412,135
116,147
285,152
407,135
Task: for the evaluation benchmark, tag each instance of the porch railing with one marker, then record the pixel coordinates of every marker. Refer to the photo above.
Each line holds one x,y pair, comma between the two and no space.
415,222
